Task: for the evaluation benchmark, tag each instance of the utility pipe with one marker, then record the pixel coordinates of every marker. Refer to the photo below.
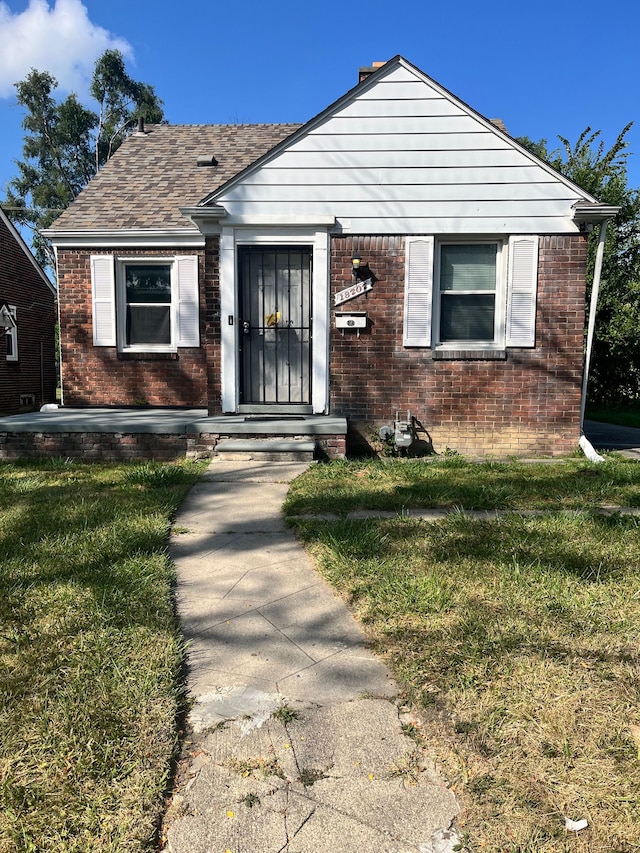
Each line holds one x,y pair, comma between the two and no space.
588,450
592,317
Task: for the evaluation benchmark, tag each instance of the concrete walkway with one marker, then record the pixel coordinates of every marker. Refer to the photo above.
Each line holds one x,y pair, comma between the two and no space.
295,743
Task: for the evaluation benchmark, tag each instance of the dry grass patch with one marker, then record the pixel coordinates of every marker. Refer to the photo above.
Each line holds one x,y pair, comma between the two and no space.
518,640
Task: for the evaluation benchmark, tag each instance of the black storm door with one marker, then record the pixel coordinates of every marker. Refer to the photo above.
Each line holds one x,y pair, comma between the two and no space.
275,325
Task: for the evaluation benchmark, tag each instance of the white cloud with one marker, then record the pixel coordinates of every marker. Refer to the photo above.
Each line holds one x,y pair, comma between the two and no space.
59,39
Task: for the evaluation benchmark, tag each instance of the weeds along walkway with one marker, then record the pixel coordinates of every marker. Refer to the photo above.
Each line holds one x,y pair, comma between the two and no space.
295,739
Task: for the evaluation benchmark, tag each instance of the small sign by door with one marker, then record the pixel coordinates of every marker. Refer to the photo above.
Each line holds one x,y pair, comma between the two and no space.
351,292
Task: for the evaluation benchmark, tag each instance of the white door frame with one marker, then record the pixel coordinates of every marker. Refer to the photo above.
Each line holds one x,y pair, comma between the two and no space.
230,239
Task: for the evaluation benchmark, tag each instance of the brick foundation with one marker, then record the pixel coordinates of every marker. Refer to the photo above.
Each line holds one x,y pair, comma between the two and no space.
121,447
93,446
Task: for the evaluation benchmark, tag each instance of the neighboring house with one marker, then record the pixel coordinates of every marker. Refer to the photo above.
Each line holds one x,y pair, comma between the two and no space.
27,325
214,266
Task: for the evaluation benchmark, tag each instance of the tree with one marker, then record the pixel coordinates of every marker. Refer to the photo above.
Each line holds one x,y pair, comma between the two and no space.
615,365
66,143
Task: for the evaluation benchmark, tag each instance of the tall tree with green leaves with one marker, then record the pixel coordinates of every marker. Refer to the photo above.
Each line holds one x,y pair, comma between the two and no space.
615,364
66,143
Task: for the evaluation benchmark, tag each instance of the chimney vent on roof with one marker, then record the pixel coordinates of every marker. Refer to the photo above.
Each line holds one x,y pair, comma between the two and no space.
140,131
497,122
363,73
207,160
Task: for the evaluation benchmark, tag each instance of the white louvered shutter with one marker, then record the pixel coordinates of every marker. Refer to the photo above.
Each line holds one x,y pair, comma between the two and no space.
521,291
188,301
418,291
103,293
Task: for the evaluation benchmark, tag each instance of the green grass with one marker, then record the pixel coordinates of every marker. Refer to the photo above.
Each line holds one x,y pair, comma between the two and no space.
396,485
89,653
624,416
516,638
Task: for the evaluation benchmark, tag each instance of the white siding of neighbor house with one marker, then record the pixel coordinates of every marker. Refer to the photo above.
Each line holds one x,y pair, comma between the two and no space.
405,157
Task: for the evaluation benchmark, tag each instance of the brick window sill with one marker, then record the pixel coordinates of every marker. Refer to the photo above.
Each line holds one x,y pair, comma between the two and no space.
469,355
147,356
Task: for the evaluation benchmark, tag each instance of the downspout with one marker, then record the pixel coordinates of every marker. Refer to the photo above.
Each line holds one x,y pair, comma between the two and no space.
585,444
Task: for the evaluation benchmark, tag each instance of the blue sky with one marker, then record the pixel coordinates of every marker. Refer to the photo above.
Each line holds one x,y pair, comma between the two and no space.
543,73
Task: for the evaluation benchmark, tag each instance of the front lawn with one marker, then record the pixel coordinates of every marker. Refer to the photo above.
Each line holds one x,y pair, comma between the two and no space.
517,638
89,654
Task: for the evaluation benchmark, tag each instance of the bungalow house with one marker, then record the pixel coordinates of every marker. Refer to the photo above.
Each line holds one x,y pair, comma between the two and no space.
27,326
397,259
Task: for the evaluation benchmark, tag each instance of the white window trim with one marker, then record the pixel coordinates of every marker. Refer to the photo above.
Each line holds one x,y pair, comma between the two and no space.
13,333
121,303
499,338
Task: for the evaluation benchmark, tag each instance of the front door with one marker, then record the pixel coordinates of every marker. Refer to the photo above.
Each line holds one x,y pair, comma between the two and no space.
275,325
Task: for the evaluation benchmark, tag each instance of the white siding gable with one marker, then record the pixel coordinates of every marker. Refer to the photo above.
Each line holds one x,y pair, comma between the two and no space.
404,156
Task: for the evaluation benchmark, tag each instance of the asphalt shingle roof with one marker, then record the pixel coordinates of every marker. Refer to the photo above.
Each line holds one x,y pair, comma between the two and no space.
151,177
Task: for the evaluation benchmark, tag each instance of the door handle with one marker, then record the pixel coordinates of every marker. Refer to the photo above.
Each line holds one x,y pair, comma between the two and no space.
246,329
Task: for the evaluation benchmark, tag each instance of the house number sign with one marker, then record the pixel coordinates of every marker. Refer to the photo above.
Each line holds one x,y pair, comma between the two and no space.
351,292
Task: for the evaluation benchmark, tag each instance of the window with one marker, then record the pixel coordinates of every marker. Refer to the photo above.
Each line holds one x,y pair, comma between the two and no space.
470,295
468,285
145,304
12,336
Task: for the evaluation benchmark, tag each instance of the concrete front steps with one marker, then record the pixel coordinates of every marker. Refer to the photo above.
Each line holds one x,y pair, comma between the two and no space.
266,450
271,437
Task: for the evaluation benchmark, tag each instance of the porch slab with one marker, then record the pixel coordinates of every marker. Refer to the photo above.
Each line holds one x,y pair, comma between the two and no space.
168,421
160,421
164,434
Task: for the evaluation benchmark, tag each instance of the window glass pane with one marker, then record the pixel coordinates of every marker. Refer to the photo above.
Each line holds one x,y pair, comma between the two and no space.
148,283
148,324
9,344
470,267
468,317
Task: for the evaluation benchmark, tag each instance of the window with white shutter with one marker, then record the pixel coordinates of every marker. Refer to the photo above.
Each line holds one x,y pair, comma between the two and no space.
521,291
104,300
418,292
186,273
464,295
144,303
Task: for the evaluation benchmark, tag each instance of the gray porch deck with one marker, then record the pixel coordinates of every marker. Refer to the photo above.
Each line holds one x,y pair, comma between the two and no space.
163,433
169,422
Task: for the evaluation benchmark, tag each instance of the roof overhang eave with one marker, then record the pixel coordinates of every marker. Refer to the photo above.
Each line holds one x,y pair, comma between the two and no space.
206,218
592,213
123,237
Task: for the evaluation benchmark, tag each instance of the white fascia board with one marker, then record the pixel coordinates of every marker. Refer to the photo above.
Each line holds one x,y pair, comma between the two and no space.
588,212
131,238
210,221
295,221
206,219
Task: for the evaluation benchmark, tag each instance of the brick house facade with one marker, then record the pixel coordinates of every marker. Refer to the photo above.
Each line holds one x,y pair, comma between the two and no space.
473,269
27,352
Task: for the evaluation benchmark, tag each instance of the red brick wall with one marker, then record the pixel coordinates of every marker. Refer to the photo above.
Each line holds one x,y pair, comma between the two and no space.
528,403
100,376
34,374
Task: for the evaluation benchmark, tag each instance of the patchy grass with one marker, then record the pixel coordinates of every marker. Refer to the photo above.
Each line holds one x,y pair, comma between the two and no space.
517,638
623,415
574,483
89,653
